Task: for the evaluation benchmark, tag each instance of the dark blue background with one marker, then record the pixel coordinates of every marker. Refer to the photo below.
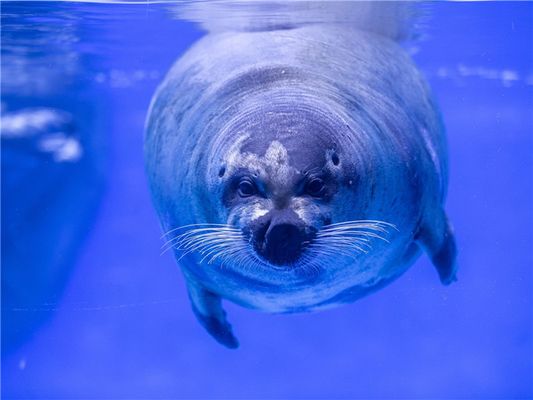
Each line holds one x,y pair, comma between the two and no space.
124,328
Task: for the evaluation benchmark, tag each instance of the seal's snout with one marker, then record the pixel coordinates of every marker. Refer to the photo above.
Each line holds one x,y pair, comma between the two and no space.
283,243
280,237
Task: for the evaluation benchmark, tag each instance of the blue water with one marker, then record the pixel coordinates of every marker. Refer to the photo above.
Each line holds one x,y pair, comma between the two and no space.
90,309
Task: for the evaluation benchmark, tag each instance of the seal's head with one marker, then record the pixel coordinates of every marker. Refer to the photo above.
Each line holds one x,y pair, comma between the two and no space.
284,182
279,175
300,173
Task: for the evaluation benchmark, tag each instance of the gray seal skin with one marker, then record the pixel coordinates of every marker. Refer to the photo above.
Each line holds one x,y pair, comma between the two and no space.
296,170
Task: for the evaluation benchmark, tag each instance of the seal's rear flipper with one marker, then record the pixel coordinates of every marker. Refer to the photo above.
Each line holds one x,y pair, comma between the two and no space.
437,239
207,307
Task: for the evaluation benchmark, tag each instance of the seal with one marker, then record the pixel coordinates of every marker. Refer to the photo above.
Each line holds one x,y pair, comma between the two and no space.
296,169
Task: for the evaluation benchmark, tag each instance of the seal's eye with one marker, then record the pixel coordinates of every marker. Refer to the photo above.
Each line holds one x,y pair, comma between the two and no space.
315,187
246,187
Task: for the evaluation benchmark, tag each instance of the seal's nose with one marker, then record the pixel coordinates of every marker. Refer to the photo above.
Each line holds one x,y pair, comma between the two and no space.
283,243
281,237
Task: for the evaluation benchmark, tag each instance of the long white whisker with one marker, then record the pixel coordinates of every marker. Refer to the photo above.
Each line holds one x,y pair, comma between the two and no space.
215,250
204,231
225,253
352,234
192,245
330,250
205,225
368,222
333,243
186,240
194,234
358,227
342,239
205,247
205,239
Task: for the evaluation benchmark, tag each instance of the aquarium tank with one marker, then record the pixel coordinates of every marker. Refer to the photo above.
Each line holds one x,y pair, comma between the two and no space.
96,296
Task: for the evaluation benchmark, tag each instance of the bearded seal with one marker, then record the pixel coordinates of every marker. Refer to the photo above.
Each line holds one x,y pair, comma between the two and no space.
296,169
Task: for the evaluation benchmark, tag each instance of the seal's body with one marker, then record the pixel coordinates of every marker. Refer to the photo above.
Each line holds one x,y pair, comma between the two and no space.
296,169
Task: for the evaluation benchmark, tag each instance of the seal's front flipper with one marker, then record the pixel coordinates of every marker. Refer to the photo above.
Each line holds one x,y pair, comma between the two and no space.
207,307
437,239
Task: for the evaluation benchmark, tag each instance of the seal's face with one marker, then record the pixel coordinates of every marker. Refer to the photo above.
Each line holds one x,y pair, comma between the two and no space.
280,197
277,186
277,205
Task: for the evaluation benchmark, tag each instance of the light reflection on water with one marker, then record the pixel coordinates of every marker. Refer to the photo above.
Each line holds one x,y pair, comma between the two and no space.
47,46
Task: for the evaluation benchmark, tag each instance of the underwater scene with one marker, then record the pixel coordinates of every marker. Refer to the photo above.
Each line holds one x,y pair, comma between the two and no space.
266,200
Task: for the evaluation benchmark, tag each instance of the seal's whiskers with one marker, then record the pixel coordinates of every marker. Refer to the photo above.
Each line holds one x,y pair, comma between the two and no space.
225,243
197,232
343,238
